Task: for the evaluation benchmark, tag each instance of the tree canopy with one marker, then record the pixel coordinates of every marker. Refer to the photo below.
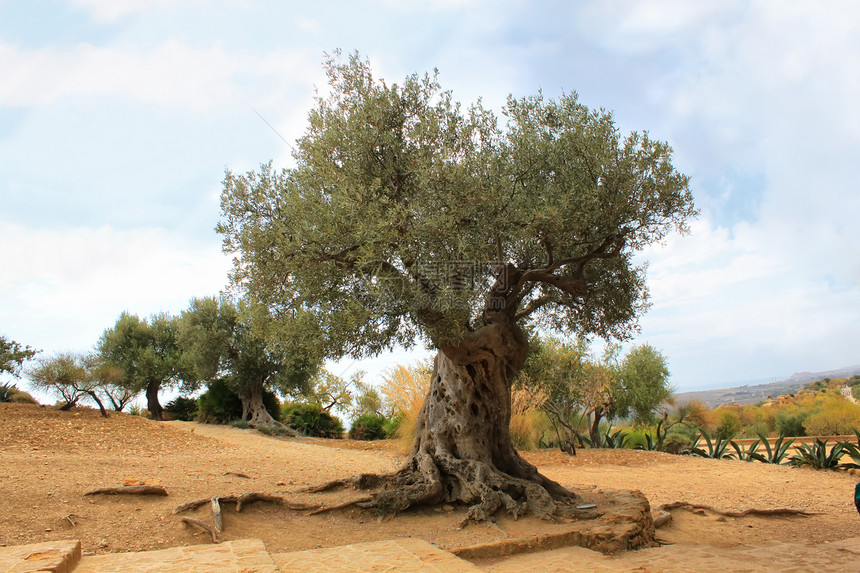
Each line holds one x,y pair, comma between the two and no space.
13,355
218,342
407,216
147,353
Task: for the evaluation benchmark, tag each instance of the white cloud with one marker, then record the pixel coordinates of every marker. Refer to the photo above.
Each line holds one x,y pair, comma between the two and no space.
171,74
63,287
113,10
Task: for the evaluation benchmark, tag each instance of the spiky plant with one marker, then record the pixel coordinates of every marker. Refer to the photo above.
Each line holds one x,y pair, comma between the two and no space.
747,453
817,456
777,453
717,448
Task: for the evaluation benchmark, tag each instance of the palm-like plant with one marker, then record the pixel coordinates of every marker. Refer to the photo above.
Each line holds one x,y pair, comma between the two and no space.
717,448
777,453
747,453
816,455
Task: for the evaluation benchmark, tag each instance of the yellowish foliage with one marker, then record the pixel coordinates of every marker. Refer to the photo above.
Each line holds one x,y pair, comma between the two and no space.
527,420
406,388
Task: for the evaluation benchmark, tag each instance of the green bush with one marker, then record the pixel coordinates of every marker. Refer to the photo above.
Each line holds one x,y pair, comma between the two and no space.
791,424
272,430
393,424
368,427
221,405
311,420
729,424
182,408
816,455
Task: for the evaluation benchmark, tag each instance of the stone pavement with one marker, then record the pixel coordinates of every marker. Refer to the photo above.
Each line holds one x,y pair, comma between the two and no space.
412,555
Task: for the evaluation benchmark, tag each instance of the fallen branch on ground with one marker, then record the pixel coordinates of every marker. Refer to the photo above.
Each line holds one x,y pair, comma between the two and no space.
203,526
131,489
237,474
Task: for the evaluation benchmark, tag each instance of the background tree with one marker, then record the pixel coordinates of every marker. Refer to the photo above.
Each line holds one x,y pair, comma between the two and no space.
643,384
111,381
13,356
218,343
69,375
147,352
406,217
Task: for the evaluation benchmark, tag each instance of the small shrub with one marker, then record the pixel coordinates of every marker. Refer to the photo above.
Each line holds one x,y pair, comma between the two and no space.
677,443
10,393
182,408
311,420
241,424
368,427
273,430
136,410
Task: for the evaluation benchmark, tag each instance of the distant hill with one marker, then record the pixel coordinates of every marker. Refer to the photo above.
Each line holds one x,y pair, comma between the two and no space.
752,394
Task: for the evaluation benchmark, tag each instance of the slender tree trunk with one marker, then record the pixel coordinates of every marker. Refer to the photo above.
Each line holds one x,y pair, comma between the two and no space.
463,451
594,429
253,410
152,403
95,397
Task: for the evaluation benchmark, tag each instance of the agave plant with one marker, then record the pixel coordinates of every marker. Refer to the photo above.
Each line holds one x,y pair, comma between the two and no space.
816,455
852,451
777,453
717,448
6,392
615,440
650,445
747,453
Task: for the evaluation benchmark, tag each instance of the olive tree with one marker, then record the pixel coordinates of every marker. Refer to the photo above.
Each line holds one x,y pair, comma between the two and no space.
147,352
409,217
218,342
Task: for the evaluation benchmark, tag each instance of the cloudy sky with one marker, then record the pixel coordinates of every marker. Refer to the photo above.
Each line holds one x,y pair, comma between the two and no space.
118,119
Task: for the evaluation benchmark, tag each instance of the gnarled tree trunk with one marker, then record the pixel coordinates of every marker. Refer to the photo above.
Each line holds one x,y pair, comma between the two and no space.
463,451
152,403
253,410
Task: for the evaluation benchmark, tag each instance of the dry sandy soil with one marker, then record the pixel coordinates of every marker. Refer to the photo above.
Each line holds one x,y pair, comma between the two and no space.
49,459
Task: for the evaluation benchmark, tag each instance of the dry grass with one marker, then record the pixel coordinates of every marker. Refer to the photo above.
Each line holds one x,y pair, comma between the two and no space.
406,388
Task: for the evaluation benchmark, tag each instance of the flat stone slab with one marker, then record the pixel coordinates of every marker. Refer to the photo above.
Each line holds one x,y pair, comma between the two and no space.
55,556
401,555
836,556
245,555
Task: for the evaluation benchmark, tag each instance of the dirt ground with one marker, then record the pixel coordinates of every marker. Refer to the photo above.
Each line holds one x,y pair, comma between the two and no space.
49,459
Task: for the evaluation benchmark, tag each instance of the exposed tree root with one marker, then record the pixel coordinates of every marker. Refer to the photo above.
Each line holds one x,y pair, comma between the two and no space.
203,526
663,517
237,474
131,490
361,501
245,498
216,514
485,489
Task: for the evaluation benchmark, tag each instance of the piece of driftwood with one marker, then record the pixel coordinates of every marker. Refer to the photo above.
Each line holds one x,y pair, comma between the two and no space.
216,514
244,499
203,526
237,474
131,490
